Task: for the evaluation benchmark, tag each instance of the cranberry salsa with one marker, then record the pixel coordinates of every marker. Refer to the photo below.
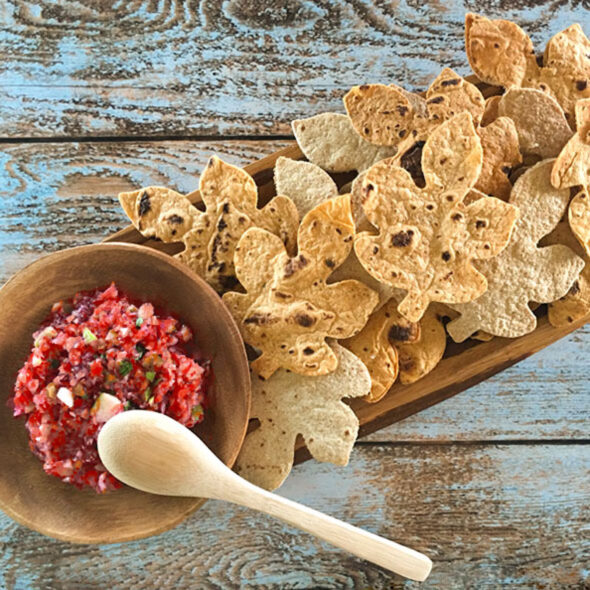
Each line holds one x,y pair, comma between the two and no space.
95,356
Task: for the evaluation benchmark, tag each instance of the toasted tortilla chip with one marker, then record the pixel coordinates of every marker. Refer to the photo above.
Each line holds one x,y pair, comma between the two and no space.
306,184
576,303
210,237
390,116
523,272
329,141
499,142
490,113
288,405
579,219
417,359
427,237
376,344
572,167
540,122
288,309
501,53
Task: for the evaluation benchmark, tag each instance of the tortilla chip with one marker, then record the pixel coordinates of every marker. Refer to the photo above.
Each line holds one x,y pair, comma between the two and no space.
306,184
375,345
501,53
417,359
572,167
579,219
210,237
288,405
490,113
576,303
288,309
329,141
428,237
540,122
499,142
523,272
390,116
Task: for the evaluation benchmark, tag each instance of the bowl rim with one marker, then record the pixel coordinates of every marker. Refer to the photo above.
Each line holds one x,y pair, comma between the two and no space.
31,268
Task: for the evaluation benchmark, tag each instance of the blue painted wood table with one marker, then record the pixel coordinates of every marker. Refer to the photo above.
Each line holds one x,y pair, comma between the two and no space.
101,96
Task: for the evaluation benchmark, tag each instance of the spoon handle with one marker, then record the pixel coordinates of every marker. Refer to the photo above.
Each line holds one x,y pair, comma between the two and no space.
392,556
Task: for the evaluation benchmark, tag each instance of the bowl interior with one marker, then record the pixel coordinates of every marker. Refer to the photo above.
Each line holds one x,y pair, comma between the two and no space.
43,502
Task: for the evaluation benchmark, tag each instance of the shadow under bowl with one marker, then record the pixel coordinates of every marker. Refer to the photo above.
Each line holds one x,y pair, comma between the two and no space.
43,502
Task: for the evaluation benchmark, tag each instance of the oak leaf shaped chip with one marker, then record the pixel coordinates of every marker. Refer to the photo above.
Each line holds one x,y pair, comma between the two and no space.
329,141
210,237
288,309
427,237
288,405
523,272
502,54
572,166
390,116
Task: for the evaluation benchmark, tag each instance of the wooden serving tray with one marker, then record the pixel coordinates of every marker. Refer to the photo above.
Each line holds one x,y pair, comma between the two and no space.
462,366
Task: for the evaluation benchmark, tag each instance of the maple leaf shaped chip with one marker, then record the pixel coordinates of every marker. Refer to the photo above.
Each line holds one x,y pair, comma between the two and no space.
210,237
288,309
427,237
288,405
502,54
388,115
523,272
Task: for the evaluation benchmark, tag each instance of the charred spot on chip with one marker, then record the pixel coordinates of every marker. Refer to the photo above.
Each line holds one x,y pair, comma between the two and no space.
364,87
221,224
457,217
402,110
304,320
506,169
451,82
481,223
329,263
375,249
450,198
177,219
144,204
258,319
241,219
402,133
294,264
308,351
446,255
575,288
282,295
581,85
402,239
225,208
401,333
435,100
366,131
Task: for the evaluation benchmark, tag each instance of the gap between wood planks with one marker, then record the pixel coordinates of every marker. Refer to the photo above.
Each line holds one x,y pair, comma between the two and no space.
144,138
474,442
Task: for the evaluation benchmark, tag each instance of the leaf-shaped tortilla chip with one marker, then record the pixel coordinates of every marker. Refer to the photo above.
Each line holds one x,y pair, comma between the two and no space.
306,184
576,303
428,237
288,309
501,53
386,115
210,237
329,141
288,405
540,122
376,343
572,167
523,272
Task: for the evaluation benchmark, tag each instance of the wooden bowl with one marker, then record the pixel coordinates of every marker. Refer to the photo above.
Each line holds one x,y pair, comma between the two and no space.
43,502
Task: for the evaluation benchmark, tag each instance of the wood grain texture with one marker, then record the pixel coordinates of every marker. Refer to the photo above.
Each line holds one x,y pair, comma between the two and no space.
479,511
238,67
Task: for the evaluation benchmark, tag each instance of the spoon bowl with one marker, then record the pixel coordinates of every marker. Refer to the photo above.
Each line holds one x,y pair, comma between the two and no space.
54,508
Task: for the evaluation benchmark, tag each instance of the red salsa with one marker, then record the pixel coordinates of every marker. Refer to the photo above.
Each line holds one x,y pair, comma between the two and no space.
97,355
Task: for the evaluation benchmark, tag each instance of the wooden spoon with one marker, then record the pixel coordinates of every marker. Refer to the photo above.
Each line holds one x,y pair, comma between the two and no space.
154,453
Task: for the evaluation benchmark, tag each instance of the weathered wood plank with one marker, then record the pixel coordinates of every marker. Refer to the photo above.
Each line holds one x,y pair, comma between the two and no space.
60,195
238,67
478,511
